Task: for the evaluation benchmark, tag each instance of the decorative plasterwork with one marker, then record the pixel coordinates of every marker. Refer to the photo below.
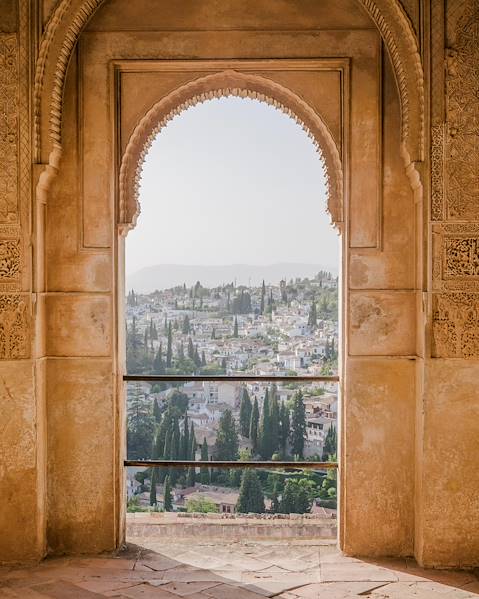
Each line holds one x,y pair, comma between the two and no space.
455,325
456,257
223,84
70,17
455,145
9,118
10,258
13,327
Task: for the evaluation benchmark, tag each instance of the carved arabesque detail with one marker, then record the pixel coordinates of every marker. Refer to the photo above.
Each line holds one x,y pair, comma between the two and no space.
456,256
8,128
462,116
455,325
224,84
69,18
13,327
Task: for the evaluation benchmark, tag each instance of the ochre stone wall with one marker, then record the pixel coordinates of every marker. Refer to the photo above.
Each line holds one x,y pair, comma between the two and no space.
410,222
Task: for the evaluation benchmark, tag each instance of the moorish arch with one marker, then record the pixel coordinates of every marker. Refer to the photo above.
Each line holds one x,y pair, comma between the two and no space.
226,84
69,18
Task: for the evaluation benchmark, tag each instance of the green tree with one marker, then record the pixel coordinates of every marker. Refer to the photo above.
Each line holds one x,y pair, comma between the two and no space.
330,444
226,446
263,296
213,333
167,499
251,498
245,413
275,506
253,427
191,349
201,505
298,425
140,426
204,470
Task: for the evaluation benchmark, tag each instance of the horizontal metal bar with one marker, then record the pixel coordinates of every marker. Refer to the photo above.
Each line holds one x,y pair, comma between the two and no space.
167,378
228,464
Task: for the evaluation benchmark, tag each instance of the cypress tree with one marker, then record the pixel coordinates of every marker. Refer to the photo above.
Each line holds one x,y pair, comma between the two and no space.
204,470
253,427
185,440
197,358
284,427
203,359
298,425
313,316
235,328
156,412
245,413
265,438
185,329
167,499
226,446
213,333
158,365
191,477
251,498
181,351
263,295
191,349
274,419
169,348
154,477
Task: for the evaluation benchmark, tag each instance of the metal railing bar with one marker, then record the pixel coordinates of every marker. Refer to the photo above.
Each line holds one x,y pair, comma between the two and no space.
228,464
167,378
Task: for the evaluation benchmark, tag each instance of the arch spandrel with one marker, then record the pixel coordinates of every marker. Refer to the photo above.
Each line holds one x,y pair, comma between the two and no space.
71,16
224,84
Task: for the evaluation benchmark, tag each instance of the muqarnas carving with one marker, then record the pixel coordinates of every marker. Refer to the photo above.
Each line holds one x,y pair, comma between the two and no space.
8,128
455,325
13,327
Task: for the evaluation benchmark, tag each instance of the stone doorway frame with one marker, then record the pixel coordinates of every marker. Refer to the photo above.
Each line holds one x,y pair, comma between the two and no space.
63,30
231,80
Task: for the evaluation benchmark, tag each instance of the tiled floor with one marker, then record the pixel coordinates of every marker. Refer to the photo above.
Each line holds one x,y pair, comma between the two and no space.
227,570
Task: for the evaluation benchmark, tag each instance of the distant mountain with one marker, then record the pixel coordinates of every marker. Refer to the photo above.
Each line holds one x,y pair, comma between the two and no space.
164,276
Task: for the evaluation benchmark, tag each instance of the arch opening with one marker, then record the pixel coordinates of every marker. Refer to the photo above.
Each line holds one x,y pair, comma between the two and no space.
197,320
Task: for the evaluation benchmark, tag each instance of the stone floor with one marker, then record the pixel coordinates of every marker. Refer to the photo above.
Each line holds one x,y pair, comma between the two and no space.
196,569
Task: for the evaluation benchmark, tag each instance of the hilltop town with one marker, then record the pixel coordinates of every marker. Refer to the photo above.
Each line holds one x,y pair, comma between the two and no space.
288,328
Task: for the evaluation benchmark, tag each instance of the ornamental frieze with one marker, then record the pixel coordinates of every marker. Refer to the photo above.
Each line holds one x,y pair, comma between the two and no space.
455,325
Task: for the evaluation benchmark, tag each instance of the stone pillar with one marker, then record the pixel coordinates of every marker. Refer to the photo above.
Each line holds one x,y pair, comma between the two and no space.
378,408
22,456
447,529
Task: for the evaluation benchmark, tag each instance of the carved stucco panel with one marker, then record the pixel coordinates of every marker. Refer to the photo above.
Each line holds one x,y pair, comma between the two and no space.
456,257
455,325
462,113
8,128
14,339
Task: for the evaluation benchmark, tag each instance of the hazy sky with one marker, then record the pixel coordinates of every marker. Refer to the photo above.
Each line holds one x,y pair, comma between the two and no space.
232,181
